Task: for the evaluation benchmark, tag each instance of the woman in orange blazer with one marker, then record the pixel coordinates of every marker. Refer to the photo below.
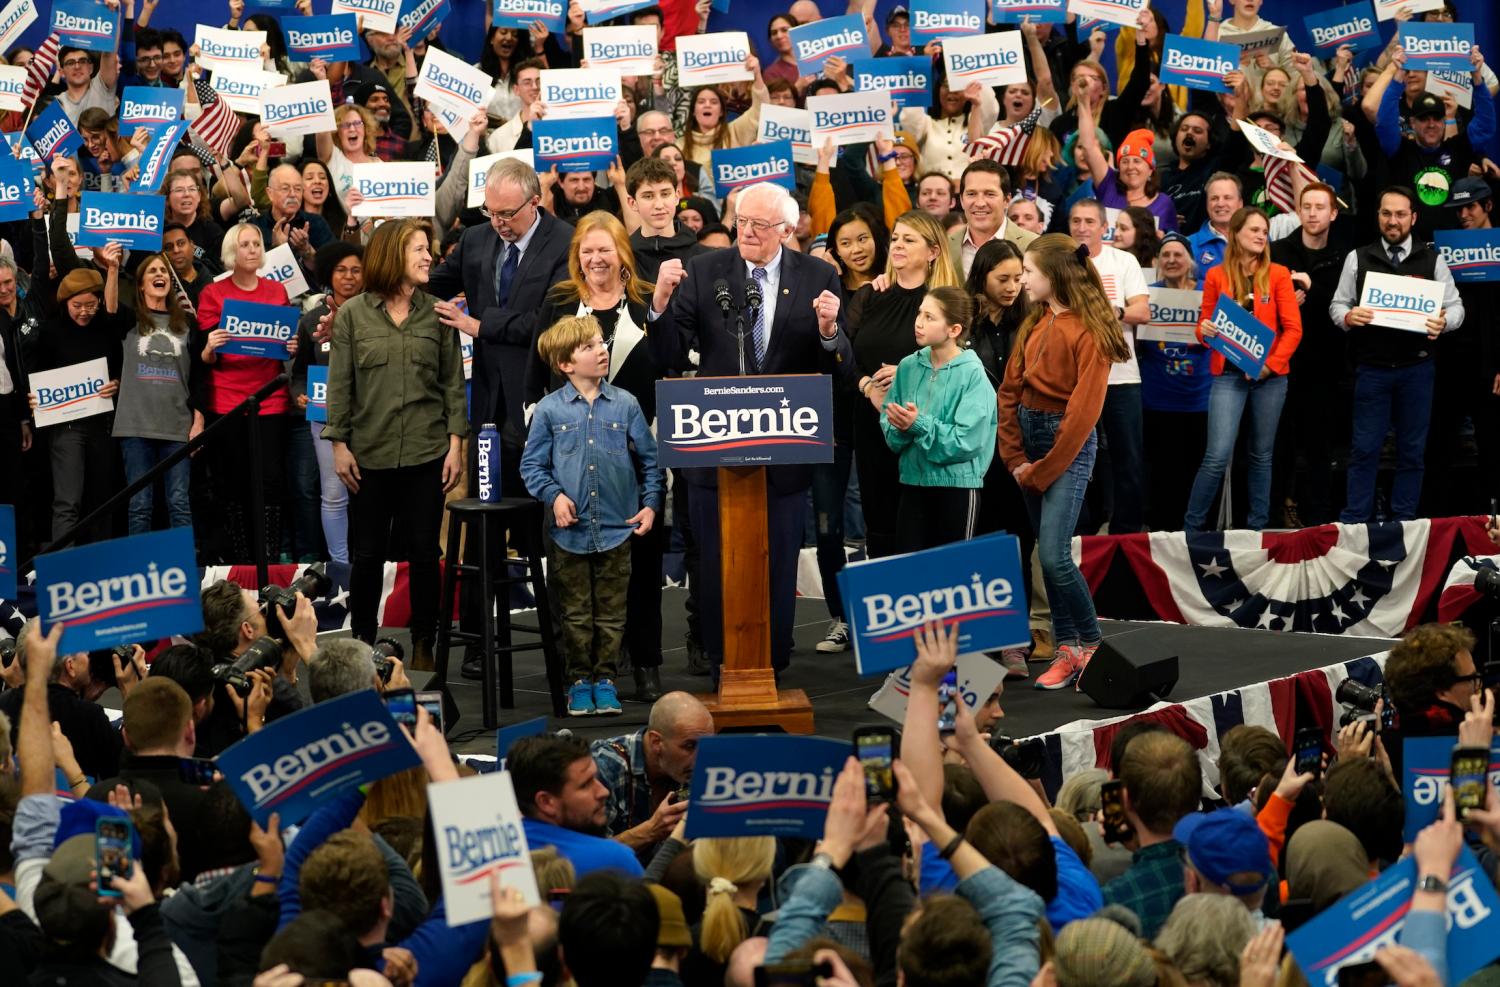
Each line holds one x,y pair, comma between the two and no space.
1265,290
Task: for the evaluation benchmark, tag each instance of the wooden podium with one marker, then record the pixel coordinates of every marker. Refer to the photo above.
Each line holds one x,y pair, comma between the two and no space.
741,425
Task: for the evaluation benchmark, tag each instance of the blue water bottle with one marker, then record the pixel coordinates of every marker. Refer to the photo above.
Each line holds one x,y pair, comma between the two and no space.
489,464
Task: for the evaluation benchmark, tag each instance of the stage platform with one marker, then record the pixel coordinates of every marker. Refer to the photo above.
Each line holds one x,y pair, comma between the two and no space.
1213,661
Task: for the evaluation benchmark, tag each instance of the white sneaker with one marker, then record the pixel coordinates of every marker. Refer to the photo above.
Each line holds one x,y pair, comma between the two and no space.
836,640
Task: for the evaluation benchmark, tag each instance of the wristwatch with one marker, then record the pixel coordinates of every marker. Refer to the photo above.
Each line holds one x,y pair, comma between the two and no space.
822,860
1433,883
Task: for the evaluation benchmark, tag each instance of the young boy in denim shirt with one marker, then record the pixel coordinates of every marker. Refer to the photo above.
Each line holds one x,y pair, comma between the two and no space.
578,463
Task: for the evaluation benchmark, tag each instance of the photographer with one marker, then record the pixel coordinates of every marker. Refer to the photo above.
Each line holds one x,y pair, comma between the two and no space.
1431,678
346,665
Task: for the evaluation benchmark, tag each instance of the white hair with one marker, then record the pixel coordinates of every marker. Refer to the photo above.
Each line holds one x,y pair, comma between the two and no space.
778,198
230,247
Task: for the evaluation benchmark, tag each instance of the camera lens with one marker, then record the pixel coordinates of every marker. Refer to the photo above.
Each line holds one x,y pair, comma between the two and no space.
1357,694
1487,580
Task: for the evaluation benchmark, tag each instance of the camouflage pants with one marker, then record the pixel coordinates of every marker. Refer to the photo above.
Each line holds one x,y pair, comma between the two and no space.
589,591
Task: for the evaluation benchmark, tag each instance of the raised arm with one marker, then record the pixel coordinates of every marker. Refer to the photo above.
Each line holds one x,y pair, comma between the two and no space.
999,780
921,747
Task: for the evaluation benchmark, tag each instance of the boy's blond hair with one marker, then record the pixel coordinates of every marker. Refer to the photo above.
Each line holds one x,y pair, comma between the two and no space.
557,344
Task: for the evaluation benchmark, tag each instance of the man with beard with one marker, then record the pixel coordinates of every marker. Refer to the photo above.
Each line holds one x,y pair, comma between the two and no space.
389,144
576,194
644,770
1468,379
1317,384
1184,181
287,222
565,804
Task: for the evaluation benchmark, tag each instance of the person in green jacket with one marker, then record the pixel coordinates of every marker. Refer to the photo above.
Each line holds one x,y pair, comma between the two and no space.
941,420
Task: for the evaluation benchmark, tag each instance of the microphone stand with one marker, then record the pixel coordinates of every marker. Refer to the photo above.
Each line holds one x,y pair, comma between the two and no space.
739,334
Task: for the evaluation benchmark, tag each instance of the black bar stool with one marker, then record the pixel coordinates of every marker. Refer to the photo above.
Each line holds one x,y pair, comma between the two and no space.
522,517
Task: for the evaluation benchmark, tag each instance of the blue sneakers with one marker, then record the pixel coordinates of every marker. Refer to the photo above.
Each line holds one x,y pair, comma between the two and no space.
606,699
581,699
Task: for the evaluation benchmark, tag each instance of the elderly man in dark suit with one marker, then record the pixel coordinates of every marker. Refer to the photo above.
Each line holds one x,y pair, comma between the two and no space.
504,270
796,332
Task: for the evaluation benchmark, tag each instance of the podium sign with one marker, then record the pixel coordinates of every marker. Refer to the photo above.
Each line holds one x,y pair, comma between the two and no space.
744,421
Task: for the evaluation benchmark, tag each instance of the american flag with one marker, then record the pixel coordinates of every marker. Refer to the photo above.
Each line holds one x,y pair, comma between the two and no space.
181,298
217,125
1279,182
432,155
1007,145
43,64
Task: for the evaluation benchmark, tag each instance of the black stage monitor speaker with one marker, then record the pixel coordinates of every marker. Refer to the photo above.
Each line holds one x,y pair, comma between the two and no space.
1130,672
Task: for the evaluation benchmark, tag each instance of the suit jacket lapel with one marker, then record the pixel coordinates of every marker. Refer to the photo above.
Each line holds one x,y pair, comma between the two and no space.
538,240
788,295
487,272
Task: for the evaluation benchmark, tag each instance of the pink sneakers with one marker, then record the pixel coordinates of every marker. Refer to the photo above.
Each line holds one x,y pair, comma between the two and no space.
1085,651
1067,666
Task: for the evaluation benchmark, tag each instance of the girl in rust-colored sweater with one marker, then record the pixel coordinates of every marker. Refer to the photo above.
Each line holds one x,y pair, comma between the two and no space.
1049,404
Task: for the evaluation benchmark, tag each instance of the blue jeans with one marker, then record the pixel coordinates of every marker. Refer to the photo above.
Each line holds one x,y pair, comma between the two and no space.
830,486
335,497
1054,514
300,538
139,456
1386,396
1226,408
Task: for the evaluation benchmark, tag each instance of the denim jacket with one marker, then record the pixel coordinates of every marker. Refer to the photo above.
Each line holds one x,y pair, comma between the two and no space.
584,451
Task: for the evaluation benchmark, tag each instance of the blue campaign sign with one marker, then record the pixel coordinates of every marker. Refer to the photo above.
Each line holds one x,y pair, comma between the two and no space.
52,134
423,16
157,157
520,13
7,552
86,24
133,221
934,20
907,79
739,166
813,44
588,144
1035,11
1371,917
121,591
506,736
1472,255
1425,762
606,11
1437,46
149,104
331,37
1353,24
763,785
1242,339
744,421
17,188
317,393
258,330
315,754
1198,64
977,583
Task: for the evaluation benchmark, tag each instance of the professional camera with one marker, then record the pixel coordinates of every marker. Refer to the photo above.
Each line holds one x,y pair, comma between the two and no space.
1487,580
1027,758
385,649
264,652
1359,702
102,663
313,584
7,652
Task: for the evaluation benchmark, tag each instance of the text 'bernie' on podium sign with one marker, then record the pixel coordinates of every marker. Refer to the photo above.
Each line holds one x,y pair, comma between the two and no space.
745,421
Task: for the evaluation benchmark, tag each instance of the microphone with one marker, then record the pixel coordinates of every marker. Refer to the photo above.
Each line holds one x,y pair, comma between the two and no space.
753,297
723,297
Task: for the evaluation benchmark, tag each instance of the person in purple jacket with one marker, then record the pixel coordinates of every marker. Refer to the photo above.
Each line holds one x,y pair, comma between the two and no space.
1133,181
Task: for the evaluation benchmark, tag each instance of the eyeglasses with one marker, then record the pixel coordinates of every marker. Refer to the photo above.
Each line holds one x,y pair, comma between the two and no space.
506,215
351,124
1477,680
73,63
655,132
759,226
147,59
86,308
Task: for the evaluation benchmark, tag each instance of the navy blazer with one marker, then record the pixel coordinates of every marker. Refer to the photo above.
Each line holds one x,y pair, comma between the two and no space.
693,321
501,351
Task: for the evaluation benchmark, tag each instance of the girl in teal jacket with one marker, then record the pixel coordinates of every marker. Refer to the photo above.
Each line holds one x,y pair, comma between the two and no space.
941,420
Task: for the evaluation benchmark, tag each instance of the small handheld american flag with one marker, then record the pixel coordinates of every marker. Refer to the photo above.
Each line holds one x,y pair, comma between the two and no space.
1007,145
217,125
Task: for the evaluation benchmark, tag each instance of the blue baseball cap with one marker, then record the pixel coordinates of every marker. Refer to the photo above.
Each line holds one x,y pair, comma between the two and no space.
79,817
1223,843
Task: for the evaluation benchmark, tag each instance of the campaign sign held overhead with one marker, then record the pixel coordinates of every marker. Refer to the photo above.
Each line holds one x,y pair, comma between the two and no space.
626,50
479,170
740,166
375,15
816,42
977,583
422,16
12,87
1387,9
1242,339
241,87
1366,920
7,552
52,134
708,59
317,393
256,329
519,14
1198,64
850,118
1401,302
988,59
86,24
1352,24
763,785
937,20
787,123
317,753
150,104
17,188
157,157
744,421
907,80
1425,763
405,188
133,221
121,591
574,145
17,16
221,49
602,11
1436,46
454,83
1472,255
1035,11
978,675
576,94
1122,12
331,37
477,825
304,108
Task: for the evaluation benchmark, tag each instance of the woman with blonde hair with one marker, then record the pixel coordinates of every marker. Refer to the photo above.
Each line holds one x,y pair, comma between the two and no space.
1050,402
1264,289
733,869
603,281
1099,952
881,316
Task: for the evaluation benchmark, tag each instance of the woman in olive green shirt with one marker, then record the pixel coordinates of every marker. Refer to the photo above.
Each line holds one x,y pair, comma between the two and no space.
395,417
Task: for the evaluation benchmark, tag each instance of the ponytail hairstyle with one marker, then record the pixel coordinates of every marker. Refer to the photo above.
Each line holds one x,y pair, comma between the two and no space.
957,308
1246,290
725,865
1065,263
942,272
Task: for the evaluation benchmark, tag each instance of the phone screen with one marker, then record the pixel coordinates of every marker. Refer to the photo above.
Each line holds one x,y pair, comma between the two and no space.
948,699
402,705
786,975
196,770
1307,748
1117,828
1468,776
432,701
874,751
111,852
1370,974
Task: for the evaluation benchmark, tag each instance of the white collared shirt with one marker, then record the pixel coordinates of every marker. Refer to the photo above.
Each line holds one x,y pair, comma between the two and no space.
770,289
